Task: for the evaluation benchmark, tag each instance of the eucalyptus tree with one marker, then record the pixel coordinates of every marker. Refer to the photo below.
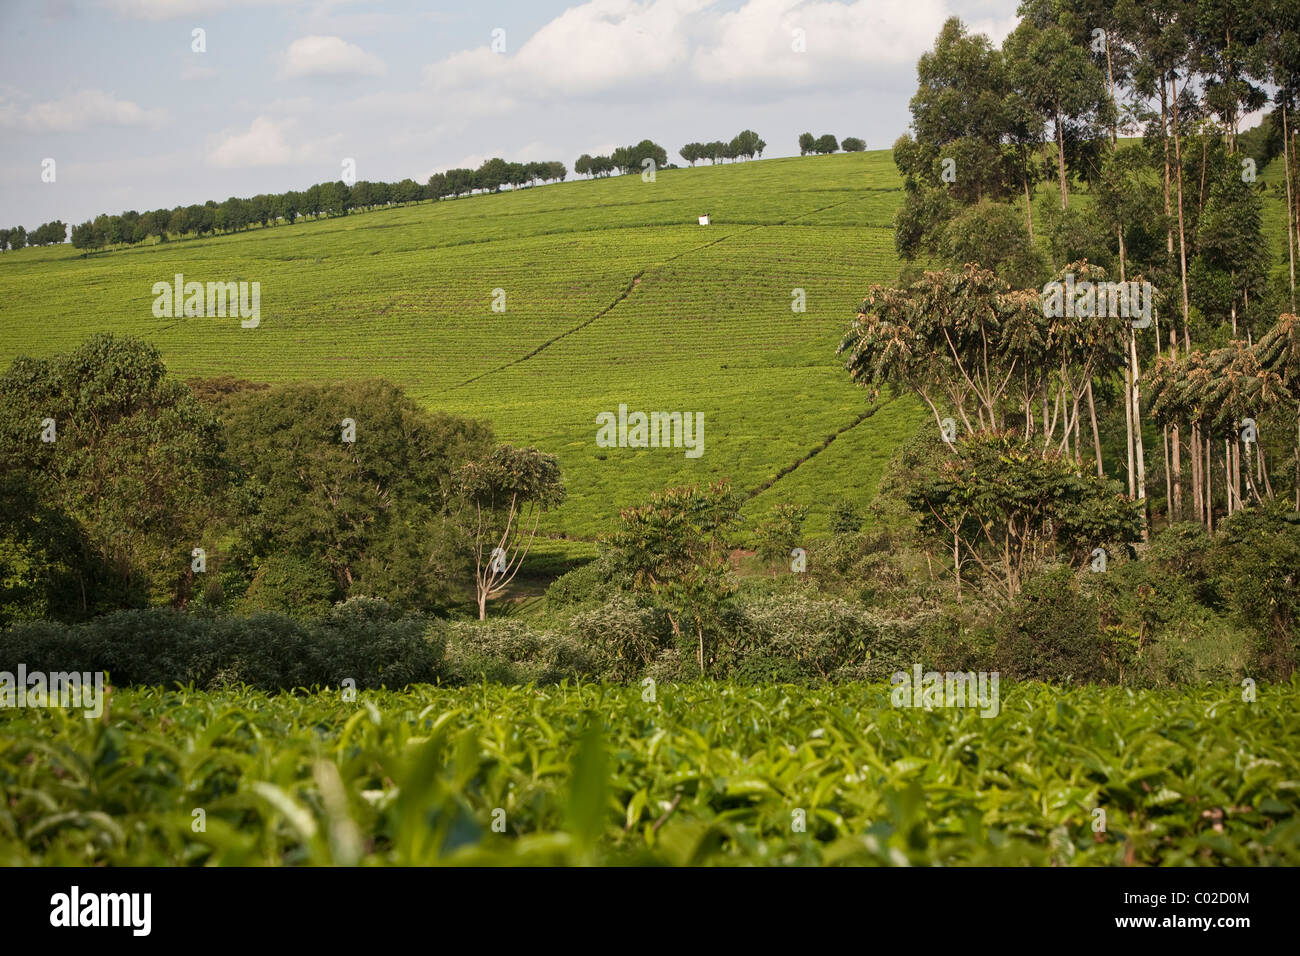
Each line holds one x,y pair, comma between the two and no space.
504,494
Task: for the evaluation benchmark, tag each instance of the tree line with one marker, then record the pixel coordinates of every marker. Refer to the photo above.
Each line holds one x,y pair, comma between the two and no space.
321,200
827,143
625,159
338,198
744,145
46,234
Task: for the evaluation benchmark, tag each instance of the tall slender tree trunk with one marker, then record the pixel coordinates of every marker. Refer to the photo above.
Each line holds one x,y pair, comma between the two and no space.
1178,456
1128,371
1236,471
1128,427
1176,432
1182,228
1110,81
1290,212
1169,483
1228,482
1060,158
1209,487
1029,207
1200,474
1096,434
1139,451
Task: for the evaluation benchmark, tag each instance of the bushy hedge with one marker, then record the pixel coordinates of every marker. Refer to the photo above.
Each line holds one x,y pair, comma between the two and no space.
511,652
366,642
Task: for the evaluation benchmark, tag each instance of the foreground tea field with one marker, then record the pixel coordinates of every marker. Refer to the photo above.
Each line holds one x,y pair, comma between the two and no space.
613,294
705,774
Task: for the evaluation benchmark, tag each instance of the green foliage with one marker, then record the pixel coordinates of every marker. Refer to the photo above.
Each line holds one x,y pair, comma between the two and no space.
373,513
1260,553
267,651
1007,508
1077,234
704,775
1051,634
626,636
994,236
675,549
780,532
298,586
845,518
589,583
513,652
126,485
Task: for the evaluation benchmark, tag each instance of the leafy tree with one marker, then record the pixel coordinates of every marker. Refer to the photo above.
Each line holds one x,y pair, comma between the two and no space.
746,143
374,515
1056,77
437,187
826,144
638,154
993,236
1229,276
779,533
506,492
853,144
1006,509
674,548
47,234
492,175
845,518
1260,554
807,142
132,475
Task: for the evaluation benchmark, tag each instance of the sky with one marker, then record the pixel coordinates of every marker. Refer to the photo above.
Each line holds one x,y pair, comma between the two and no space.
134,115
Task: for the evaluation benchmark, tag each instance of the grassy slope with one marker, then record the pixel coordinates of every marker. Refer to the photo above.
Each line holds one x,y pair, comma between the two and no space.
613,295
626,297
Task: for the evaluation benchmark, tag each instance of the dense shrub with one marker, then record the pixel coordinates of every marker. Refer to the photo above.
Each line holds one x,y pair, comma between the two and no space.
1258,557
624,636
1051,633
1155,632
266,651
292,585
804,637
845,518
593,582
511,652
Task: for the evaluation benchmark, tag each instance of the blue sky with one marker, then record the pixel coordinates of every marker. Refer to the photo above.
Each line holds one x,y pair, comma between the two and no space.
286,90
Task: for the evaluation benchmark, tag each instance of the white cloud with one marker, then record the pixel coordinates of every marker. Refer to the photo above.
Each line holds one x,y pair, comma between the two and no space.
79,111
329,56
264,143
663,46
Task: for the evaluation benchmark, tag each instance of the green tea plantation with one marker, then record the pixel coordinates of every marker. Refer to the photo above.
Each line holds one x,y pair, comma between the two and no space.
704,774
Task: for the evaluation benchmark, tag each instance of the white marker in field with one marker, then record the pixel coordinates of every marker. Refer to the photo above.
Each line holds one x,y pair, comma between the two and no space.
704,220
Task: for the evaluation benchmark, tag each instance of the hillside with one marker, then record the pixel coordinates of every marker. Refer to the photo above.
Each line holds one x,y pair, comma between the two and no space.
613,295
